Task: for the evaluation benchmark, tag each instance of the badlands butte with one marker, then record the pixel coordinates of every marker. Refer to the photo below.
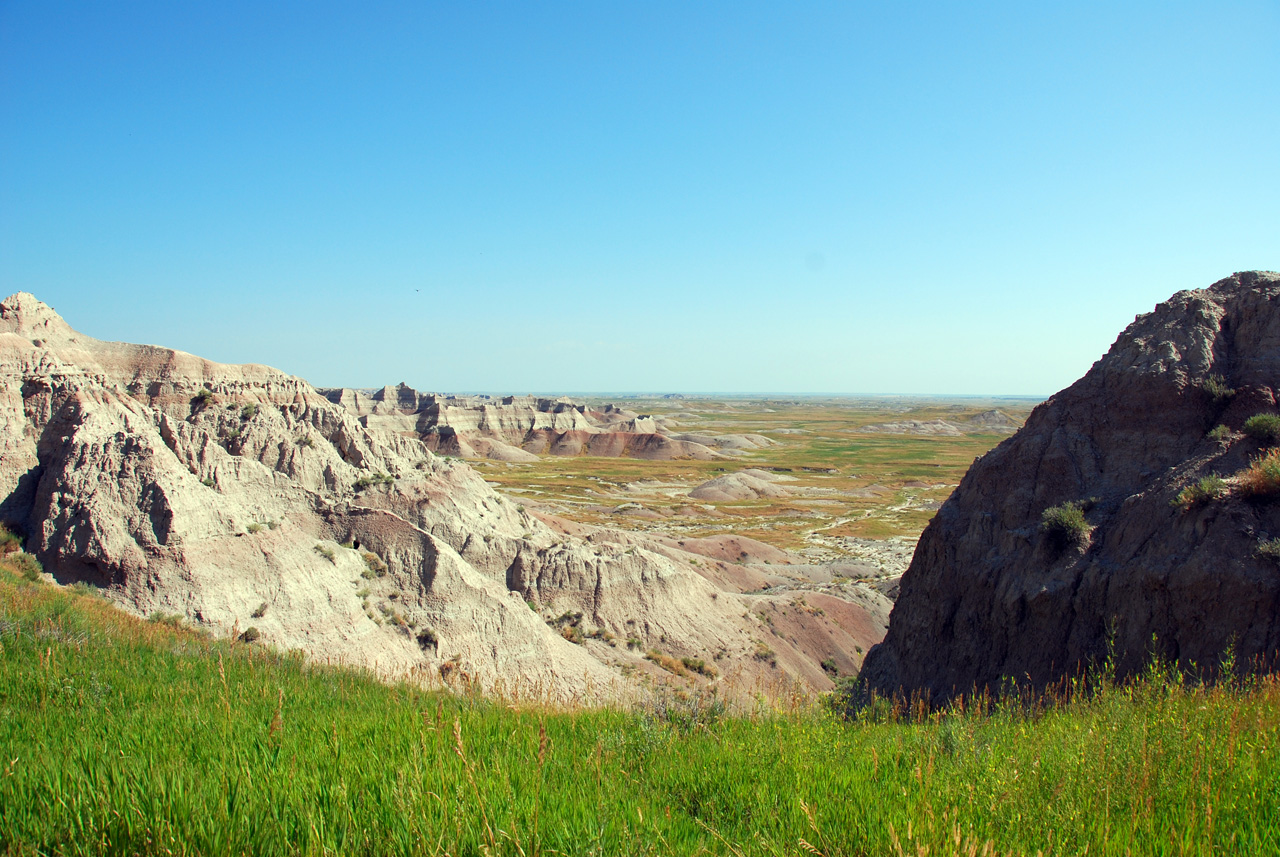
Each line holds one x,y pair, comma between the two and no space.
346,524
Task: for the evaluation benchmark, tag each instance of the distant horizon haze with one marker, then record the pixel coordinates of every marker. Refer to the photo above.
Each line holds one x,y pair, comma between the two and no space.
917,199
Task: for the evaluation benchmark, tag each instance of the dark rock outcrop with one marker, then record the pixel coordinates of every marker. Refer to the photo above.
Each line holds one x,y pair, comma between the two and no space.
991,596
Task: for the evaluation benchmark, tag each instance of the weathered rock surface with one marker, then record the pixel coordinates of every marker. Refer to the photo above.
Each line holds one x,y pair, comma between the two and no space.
238,496
988,595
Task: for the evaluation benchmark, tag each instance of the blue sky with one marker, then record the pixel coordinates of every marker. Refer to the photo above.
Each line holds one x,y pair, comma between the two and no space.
948,198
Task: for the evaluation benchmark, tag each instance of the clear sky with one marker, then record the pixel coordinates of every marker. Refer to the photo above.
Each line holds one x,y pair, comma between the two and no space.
954,198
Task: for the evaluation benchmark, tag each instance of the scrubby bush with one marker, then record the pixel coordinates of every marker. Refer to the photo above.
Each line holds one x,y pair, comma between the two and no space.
1216,386
1065,525
250,635
254,528
699,666
260,611
1261,479
9,542
667,662
375,564
248,412
1208,488
80,587
159,617
1264,428
1269,549
202,398
829,667
27,565
764,653
324,551
1220,434
378,478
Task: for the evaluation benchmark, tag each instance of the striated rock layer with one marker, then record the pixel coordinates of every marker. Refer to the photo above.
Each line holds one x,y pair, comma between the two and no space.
991,595
520,428
239,496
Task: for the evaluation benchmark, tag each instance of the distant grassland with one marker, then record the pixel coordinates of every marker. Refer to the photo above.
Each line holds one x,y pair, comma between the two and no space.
120,736
828,438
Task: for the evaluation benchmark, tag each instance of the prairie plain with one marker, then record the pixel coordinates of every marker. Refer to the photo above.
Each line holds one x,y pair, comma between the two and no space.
853,478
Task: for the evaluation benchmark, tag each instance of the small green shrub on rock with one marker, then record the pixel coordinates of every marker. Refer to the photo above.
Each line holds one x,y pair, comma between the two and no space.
1261,479
1269,549
1216,386
375,564
1065,525
9,542
376,479
27,565
1210,487
1264,428
1220,434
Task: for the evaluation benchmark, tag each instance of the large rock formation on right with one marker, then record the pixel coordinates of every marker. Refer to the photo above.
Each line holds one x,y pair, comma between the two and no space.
992,594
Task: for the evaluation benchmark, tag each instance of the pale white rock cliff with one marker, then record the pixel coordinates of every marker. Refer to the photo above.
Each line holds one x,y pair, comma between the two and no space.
239,496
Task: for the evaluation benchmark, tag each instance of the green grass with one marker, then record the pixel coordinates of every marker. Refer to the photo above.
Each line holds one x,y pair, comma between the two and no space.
127,737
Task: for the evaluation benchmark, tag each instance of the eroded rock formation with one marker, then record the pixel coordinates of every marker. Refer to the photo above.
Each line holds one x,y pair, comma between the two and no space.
991,595
520,428
239,496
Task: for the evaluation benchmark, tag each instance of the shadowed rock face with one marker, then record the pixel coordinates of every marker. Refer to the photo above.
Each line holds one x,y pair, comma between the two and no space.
989,596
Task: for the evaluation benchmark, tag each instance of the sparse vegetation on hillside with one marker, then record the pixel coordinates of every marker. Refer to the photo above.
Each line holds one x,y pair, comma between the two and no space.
127,737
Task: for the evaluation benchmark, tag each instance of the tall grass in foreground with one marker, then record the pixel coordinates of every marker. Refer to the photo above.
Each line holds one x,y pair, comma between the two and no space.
126,737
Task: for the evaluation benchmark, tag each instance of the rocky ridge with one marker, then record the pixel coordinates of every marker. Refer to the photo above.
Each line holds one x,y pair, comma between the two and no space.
520,428
992,595
238,496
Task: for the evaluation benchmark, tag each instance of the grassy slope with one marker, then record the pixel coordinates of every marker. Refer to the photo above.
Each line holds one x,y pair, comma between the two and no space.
121,737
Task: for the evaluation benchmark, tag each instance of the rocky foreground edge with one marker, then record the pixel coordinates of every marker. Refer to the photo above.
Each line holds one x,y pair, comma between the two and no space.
238,497
992,595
